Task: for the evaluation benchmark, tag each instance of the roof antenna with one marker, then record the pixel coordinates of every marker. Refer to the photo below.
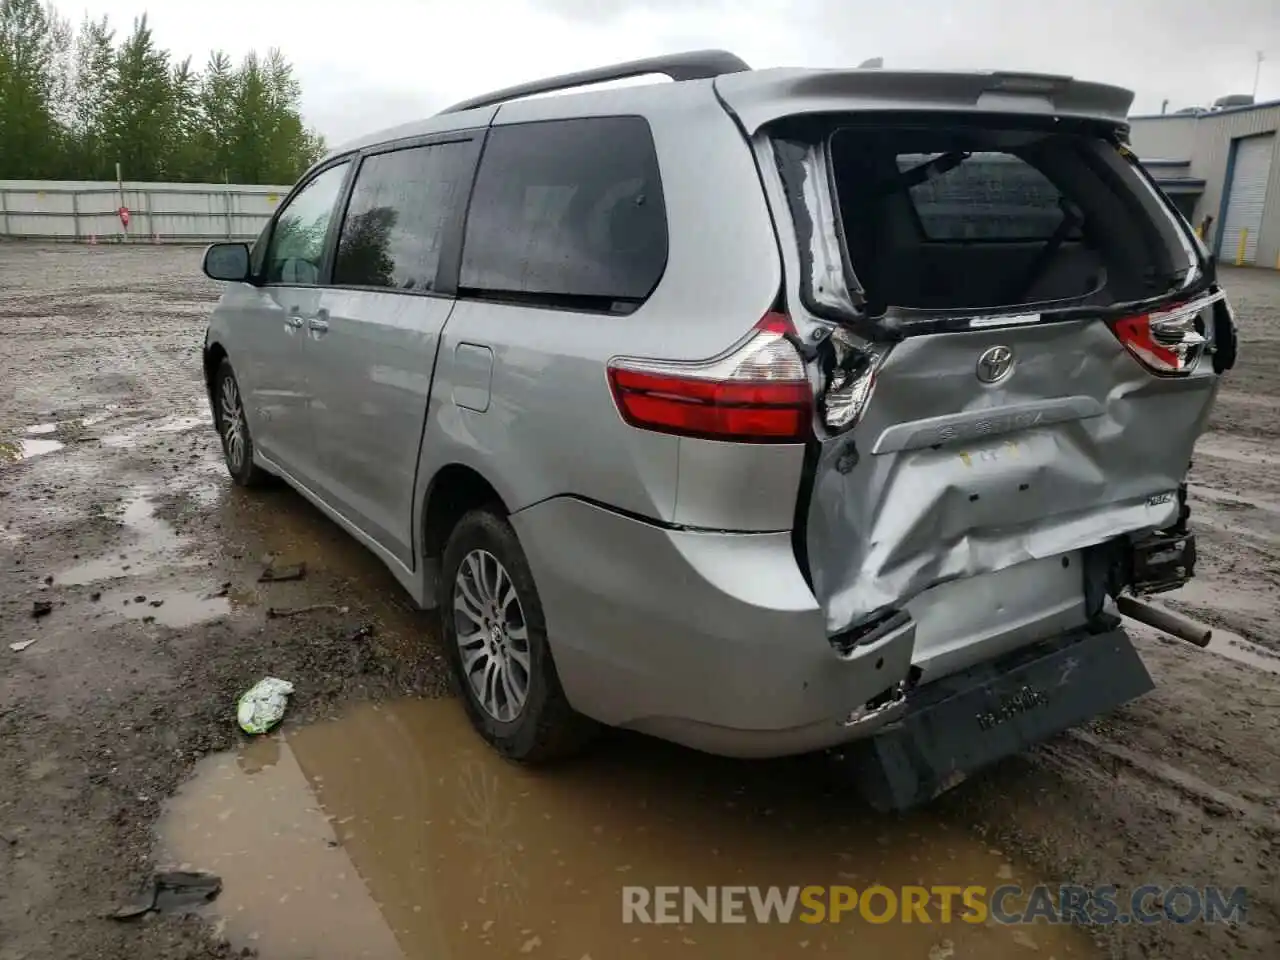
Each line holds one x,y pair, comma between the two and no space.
875,63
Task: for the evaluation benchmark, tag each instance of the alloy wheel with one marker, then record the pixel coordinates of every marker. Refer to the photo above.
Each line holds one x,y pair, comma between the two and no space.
233,428
492,635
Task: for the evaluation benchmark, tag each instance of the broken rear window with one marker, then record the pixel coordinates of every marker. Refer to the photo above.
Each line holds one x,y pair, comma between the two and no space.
959,214
989,196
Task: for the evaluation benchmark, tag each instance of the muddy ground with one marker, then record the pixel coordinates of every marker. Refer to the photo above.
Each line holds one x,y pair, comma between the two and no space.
115,510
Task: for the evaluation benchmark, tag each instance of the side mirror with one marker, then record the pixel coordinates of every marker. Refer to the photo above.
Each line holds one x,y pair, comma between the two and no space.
227,261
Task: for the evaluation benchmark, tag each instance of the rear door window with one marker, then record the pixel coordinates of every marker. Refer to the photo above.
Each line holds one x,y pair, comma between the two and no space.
397,218
296,251
569,214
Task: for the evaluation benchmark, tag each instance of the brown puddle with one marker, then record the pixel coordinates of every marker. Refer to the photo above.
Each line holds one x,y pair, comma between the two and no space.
395,833
154,546
173,608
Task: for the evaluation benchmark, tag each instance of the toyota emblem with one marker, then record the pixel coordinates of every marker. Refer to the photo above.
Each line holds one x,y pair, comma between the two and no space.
995,364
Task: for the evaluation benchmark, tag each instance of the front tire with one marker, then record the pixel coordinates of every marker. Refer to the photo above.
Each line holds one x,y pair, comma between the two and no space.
233,429
496,642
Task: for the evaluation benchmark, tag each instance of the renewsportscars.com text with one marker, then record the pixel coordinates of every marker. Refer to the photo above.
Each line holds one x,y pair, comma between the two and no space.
1010,904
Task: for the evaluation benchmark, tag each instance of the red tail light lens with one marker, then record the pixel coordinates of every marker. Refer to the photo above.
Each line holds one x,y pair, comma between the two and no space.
756,393
1166,342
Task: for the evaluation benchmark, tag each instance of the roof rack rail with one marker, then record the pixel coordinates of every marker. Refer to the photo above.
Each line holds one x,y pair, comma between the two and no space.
694,65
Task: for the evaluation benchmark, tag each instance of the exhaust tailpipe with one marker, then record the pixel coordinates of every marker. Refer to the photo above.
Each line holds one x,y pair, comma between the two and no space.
1165,621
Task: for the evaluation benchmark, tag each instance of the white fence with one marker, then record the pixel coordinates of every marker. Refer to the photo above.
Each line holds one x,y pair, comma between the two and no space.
87,211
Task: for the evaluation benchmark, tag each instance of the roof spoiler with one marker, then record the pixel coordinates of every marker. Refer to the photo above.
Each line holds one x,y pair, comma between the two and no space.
764,95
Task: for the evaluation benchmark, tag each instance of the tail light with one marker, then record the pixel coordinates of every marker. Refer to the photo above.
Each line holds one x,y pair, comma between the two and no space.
1167,342
758,392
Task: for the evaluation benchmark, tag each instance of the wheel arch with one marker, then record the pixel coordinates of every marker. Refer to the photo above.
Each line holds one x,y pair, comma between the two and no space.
454,490
554,728
214,354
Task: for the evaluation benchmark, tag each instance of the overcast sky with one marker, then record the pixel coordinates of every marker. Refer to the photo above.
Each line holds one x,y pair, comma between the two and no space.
367,64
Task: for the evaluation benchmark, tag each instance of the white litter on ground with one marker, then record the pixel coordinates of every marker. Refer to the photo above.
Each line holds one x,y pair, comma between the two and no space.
262,705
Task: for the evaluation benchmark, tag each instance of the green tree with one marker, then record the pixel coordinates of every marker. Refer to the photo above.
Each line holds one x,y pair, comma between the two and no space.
60,47
140,118
74,103
185,149
288,143
248,123
29,136
93,72
265,139
217,107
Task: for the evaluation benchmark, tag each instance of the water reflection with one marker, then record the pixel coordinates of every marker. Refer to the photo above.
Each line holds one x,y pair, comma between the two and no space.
173,608
14,450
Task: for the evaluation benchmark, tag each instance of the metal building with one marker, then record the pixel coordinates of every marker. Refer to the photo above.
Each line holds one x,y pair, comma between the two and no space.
1220,164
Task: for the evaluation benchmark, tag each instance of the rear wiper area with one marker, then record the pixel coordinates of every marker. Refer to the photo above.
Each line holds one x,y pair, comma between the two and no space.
898,322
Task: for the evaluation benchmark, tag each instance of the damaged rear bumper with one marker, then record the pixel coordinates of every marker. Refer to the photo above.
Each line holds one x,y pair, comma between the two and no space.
706,638
714,640
946,730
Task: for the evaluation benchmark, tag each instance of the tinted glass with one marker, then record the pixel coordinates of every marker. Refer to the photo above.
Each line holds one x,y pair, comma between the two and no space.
297,241
396,219
569,213
990,196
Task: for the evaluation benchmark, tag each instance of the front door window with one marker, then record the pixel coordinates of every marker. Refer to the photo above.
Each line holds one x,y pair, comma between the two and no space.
297,242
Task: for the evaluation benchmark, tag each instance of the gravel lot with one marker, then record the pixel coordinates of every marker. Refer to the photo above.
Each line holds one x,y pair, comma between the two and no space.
112,497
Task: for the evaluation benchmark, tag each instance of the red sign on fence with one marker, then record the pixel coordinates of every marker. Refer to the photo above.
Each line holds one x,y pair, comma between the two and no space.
124,217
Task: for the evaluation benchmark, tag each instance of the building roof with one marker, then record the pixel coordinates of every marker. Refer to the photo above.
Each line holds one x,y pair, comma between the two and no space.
1207,112
1180,184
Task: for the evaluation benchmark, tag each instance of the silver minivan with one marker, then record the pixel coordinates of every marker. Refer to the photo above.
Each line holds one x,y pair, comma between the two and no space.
763,411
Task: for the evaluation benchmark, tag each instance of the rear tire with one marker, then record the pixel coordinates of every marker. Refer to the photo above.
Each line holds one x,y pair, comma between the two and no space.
502,666
233,429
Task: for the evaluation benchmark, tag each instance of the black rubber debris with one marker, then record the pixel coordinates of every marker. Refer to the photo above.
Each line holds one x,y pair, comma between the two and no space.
172,891
274,574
